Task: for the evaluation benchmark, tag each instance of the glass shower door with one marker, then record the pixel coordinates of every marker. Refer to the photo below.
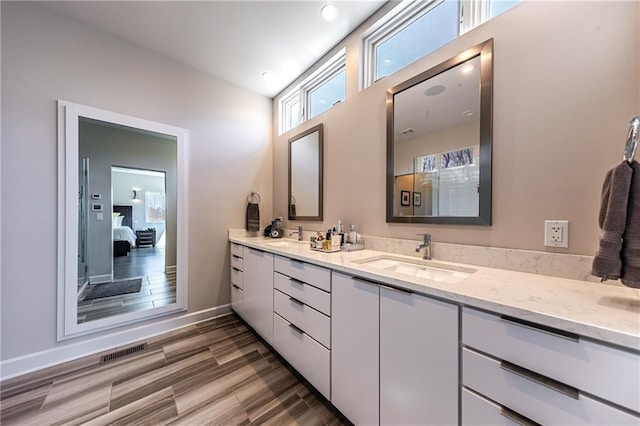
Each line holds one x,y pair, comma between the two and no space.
83,220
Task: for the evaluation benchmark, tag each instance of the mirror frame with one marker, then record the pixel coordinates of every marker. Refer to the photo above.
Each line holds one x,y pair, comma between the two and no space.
320,129
485,51
68,149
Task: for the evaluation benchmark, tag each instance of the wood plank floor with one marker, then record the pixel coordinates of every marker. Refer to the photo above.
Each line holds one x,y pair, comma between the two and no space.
216,372
138,262
158,287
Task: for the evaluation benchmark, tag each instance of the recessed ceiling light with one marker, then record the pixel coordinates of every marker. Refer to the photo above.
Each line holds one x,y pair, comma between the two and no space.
434,90
467,68
468,113
268,76
329,12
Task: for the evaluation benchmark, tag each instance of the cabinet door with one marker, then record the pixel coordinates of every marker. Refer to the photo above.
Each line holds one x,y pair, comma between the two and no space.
236,299
418,360
257,303
354,349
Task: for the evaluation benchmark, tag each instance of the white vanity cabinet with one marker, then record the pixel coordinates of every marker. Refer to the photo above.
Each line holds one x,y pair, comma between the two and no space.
418,359
237,278
257,303
355,331
302,319
548,376
408,340
384,355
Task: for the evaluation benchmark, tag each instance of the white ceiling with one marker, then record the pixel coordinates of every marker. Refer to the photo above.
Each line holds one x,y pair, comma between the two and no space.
234,40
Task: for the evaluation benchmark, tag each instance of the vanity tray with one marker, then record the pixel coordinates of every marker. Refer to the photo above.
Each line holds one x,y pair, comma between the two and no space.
333,250
353,247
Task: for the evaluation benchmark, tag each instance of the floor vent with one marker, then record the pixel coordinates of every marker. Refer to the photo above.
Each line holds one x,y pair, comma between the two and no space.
122,352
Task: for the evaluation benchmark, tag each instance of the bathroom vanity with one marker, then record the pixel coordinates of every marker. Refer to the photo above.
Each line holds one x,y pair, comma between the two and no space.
392,339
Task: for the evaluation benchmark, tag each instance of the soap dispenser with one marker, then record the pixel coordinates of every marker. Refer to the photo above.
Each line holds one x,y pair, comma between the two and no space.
353,235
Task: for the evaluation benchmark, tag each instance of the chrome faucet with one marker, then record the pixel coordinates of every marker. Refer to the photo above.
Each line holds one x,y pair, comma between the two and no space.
299,232
426,244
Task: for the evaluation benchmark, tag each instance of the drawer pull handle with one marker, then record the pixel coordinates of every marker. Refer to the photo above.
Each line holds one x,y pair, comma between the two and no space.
235,286
296,264
293,299
397,290
361,280
293,280
541,380
236,269
236,256
541,328
517,418
298,329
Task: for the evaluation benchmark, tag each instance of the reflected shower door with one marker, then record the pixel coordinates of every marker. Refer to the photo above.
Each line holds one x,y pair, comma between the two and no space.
83,220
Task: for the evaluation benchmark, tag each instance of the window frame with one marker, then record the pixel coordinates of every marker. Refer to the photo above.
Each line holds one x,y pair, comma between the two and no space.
285,106
399,18
471,14
301,93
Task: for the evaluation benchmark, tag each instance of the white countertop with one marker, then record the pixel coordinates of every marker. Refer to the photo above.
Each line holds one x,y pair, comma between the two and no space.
602,312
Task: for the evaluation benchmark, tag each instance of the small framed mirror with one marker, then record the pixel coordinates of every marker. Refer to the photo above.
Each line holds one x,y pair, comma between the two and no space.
439,138
305,175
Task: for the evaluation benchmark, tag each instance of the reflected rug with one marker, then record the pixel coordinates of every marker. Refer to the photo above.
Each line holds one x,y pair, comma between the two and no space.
115,288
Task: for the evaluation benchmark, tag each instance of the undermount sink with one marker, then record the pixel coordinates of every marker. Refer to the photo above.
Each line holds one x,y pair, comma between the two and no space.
282,243
422,269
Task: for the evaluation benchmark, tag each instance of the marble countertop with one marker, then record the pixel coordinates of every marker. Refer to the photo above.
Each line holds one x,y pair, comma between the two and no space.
602,312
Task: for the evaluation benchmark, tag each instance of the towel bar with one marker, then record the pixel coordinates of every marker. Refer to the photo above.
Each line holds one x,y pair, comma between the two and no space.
251,197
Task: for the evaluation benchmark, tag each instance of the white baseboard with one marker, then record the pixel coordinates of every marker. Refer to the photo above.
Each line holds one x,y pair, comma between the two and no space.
36,361
97,279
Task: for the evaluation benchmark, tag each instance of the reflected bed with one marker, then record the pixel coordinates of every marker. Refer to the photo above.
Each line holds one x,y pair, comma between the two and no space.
123,236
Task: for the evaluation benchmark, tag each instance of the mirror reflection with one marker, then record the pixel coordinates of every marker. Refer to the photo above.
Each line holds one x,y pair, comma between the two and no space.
126,220
305,175
439,143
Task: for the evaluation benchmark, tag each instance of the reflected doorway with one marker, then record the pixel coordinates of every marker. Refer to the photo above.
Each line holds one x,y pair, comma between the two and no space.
130,250
139,268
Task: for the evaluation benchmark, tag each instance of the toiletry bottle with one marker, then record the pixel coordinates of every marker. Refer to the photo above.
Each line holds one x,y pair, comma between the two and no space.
353,236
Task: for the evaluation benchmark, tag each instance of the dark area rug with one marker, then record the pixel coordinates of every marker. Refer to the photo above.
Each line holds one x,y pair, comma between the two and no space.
114,289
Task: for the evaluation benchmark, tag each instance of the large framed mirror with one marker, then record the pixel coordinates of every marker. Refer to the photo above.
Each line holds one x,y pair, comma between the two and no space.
122,219
305,174
439,138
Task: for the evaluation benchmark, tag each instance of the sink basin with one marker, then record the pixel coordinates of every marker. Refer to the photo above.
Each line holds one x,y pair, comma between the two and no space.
421,269
286,244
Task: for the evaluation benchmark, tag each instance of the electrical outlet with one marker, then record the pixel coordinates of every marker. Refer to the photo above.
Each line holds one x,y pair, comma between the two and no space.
556,233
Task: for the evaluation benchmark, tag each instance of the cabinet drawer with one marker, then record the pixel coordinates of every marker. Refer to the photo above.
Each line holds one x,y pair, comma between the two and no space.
541,403
236,262
237,277
236,249
477,410
317,276
310,358
576,363
236,300
312,322
307,294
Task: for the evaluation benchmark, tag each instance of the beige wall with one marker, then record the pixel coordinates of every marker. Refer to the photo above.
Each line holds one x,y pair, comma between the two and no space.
566,83
46,56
